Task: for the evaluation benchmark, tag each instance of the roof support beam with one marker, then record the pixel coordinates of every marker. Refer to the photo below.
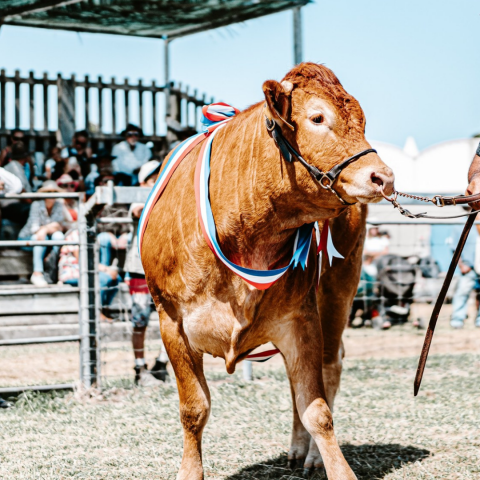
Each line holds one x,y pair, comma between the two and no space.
38,6
166,60
297,36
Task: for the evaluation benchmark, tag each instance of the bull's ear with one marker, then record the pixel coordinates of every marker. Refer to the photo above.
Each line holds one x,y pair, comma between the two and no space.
278,101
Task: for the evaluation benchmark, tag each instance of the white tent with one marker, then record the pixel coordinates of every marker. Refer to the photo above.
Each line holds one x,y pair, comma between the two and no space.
441,168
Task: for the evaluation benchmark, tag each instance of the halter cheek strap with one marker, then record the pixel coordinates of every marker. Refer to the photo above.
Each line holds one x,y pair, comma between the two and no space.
326,180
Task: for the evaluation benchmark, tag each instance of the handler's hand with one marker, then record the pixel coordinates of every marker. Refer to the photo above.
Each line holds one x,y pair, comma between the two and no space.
474,188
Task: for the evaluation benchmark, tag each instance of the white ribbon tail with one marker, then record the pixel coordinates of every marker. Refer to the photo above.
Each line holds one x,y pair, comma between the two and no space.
320,257
331,250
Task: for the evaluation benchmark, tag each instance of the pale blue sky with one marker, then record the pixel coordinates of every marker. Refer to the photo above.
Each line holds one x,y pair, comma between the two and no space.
413,65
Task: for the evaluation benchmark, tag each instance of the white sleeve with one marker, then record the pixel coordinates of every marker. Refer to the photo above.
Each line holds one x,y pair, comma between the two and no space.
12,183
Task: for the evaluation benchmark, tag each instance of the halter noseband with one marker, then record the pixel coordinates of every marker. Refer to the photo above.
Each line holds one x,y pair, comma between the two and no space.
326,180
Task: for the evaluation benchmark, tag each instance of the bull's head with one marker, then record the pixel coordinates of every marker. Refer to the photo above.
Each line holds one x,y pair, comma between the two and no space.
327,125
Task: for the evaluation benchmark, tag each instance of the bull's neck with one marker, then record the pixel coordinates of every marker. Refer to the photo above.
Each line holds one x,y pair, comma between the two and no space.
257,204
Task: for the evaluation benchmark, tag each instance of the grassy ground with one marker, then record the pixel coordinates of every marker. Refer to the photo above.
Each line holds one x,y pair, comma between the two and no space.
129,433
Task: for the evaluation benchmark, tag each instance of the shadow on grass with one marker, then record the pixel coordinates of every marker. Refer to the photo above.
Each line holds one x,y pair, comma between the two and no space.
369,462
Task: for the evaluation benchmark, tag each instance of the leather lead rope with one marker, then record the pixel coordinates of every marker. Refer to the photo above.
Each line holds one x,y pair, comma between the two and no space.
438,305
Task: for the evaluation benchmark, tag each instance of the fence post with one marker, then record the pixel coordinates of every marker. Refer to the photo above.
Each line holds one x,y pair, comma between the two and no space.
174,115
90,358
247,371
66,110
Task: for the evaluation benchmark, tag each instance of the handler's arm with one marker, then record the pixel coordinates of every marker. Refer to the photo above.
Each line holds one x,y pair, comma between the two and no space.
474,177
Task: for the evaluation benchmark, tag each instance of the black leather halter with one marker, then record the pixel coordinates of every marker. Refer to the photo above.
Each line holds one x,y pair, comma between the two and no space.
326,180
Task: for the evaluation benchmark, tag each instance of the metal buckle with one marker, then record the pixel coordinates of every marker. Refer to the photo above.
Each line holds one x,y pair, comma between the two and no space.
270,124
439,200
328,186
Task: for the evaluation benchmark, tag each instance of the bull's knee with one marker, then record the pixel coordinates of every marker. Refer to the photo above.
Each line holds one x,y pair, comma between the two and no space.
194,415
317,419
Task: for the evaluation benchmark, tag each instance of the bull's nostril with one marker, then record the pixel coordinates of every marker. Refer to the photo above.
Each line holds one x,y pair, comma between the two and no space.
376,180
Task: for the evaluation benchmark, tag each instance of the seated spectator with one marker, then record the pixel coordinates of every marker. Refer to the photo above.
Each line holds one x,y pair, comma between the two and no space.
78,156
130,155
68,271
5,155
67,183
103,161
9,183
15,212
48,219
19,158
55,165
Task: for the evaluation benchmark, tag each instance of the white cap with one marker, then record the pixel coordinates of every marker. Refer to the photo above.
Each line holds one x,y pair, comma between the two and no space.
147,169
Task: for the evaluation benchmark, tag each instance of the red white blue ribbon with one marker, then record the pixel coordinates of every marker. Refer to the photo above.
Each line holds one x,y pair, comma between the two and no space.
260,279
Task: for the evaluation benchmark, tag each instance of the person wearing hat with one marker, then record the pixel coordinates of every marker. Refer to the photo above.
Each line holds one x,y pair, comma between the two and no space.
142,304
48,219
130,154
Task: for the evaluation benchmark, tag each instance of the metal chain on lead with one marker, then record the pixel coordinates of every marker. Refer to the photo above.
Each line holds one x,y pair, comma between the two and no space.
436,200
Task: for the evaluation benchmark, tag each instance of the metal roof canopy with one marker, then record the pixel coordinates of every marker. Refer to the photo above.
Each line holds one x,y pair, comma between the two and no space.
165,19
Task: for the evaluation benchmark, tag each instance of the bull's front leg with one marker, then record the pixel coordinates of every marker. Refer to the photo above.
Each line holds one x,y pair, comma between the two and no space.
301,345
337,289
193,393
300,441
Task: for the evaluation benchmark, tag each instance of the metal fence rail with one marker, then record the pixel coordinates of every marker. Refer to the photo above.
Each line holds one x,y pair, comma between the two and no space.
87,364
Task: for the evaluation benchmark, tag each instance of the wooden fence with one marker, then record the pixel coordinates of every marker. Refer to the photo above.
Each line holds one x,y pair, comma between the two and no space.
48,110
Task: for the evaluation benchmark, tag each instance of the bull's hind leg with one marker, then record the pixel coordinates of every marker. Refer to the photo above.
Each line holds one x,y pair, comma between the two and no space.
303,353
193,394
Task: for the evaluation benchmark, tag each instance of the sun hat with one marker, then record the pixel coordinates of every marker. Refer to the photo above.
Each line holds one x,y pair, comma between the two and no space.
50,186
148,169
65,179
132,128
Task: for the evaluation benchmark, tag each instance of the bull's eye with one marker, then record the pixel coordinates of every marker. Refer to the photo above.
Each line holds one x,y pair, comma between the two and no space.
317,119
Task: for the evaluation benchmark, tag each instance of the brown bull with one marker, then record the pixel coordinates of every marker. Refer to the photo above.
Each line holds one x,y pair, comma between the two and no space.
258,201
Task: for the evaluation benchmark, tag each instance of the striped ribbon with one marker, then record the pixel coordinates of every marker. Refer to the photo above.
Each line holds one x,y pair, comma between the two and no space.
216,116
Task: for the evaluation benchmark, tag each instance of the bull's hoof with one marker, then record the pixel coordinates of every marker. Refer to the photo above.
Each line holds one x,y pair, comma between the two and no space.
295,462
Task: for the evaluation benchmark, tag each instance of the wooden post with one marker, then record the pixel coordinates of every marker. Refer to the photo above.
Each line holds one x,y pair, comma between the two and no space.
297,36
17,98
66,110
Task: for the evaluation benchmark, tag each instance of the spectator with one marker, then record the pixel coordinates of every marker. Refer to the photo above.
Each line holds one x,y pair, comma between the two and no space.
130,155
105,175
467,280
66,182
68,271
48,219
78,154
19,158
15,212
142,304
9,183
55,165
5,155
103,161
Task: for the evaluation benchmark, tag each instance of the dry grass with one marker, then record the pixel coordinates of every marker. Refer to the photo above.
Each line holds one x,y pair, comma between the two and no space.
129,433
